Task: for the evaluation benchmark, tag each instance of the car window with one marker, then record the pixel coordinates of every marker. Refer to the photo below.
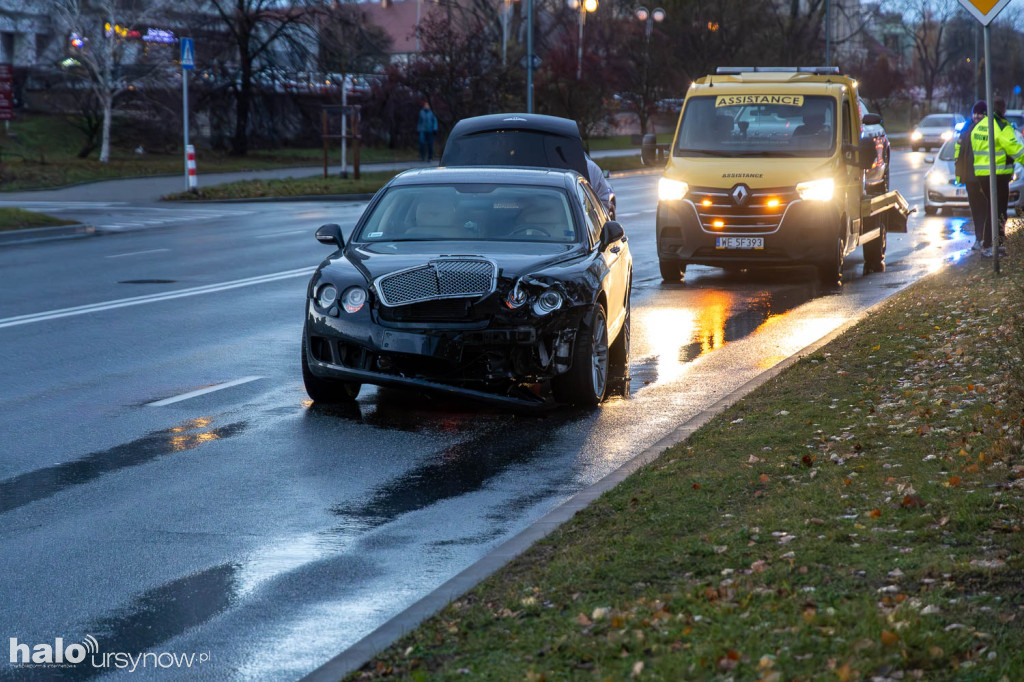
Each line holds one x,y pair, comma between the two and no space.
937,121
755,125
591,213
471,211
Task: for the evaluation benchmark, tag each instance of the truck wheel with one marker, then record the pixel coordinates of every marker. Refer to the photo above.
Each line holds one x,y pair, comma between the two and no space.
874,253
830,270
326,390
671,270
585,383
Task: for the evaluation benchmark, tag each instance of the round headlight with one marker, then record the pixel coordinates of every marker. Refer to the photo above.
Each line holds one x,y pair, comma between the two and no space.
547,302
326,296
353,299
517,297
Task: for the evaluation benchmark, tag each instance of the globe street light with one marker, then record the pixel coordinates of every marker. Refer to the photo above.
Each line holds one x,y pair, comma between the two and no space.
584,7
658,14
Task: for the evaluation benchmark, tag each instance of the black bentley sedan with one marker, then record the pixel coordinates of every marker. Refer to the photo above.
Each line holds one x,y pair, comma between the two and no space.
508,284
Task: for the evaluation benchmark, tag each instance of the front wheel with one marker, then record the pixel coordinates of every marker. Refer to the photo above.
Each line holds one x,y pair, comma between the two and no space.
830,270
671,270
930,210
326,390
585,383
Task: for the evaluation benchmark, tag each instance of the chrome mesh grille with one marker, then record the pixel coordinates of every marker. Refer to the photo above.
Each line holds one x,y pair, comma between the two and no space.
454,278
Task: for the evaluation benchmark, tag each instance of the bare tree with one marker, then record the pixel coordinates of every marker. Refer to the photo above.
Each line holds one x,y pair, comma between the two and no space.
927,23
103,53
263,31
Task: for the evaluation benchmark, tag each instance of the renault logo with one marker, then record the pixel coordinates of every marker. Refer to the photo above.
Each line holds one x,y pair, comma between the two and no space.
740,194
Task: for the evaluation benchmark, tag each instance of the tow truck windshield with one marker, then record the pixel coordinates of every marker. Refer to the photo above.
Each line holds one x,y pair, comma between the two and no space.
758,126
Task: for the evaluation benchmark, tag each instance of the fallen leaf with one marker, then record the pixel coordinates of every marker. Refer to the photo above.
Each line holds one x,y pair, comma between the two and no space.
764,478
638,668
911,501
954,481
875,513
583,620
889,637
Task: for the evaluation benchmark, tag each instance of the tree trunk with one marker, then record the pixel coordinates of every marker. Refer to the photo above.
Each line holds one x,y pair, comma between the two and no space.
107,112
240,143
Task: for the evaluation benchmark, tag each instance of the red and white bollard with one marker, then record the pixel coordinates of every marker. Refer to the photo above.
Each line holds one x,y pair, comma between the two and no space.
190,166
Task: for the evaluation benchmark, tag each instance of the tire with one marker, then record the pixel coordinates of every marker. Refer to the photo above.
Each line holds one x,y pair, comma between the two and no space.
913,147
618,354
326,390
671,270
930,210
586,382
874,253
830,270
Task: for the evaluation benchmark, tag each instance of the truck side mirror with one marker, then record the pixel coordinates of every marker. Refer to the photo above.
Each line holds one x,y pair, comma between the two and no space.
862,155
330,234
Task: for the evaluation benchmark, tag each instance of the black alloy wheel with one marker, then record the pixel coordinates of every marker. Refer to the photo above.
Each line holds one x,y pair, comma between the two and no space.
586,382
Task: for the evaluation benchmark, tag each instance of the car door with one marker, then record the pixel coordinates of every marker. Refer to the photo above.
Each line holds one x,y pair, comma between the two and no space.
613,282
854,180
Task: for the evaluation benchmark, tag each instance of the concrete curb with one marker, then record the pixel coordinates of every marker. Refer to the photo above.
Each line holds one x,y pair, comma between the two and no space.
45,234
384,636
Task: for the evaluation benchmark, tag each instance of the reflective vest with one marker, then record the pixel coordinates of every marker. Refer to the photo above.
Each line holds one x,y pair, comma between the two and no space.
1008,148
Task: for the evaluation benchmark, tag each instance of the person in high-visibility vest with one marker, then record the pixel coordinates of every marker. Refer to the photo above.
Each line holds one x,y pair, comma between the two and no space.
1004,173
964,168
1007,150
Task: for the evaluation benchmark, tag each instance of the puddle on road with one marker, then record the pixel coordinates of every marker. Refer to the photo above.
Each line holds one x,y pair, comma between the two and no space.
42,483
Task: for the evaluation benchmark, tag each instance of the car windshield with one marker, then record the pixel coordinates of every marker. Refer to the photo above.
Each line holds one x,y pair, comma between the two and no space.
947,151
471,211
757,125
937,121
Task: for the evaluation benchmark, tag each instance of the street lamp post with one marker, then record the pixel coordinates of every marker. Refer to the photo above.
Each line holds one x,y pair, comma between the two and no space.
583,6
649,18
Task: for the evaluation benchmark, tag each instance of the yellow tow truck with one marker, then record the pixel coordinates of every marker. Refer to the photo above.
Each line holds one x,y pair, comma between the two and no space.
769,167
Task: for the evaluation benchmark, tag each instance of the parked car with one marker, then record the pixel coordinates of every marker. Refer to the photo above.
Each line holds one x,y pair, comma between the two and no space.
941,190
934,130
1016,118
519,139
876,178
504,284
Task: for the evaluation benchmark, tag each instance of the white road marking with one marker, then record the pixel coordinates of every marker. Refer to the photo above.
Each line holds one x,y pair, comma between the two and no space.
152,298
136,253
281,234
202,391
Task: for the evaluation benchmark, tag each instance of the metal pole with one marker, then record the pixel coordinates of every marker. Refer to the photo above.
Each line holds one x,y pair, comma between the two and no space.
993,204
828,32
344,115
504,31
975,65
418,4
184,108
529,56
579,46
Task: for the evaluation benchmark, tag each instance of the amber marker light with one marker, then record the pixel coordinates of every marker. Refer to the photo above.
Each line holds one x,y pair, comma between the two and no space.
772,203
706,203
718,224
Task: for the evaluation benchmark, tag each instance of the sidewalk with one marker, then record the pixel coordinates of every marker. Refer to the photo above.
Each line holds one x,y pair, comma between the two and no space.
150,190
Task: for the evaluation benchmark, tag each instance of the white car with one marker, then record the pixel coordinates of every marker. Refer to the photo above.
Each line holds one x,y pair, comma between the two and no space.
941,189
933,130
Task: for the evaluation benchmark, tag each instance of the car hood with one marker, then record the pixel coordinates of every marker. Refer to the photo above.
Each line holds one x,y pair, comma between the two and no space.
754,172
513,258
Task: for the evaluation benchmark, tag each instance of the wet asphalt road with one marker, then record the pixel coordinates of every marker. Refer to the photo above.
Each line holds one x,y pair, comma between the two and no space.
143,509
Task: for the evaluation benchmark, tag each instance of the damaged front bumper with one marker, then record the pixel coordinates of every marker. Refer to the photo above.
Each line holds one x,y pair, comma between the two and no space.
492,358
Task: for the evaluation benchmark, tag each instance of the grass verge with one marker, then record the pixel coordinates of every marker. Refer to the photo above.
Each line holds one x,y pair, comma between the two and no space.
368,183
858,517
17,219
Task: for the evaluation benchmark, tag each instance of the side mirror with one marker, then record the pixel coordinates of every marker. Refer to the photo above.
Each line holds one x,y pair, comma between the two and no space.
611,233
606,173
929,159
330,234
649,150
872,119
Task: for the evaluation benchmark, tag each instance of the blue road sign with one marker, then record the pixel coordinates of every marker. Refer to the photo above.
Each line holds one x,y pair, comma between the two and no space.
188,54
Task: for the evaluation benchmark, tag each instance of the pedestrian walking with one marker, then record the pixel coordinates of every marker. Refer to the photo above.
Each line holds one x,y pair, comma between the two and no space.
964,169
426,126
1007,150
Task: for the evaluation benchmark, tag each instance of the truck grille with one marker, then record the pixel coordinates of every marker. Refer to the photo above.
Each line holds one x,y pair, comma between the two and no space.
442,278
755,216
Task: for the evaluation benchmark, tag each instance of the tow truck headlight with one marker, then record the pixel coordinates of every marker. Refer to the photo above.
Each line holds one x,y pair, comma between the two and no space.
916,135
816,190
672,190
